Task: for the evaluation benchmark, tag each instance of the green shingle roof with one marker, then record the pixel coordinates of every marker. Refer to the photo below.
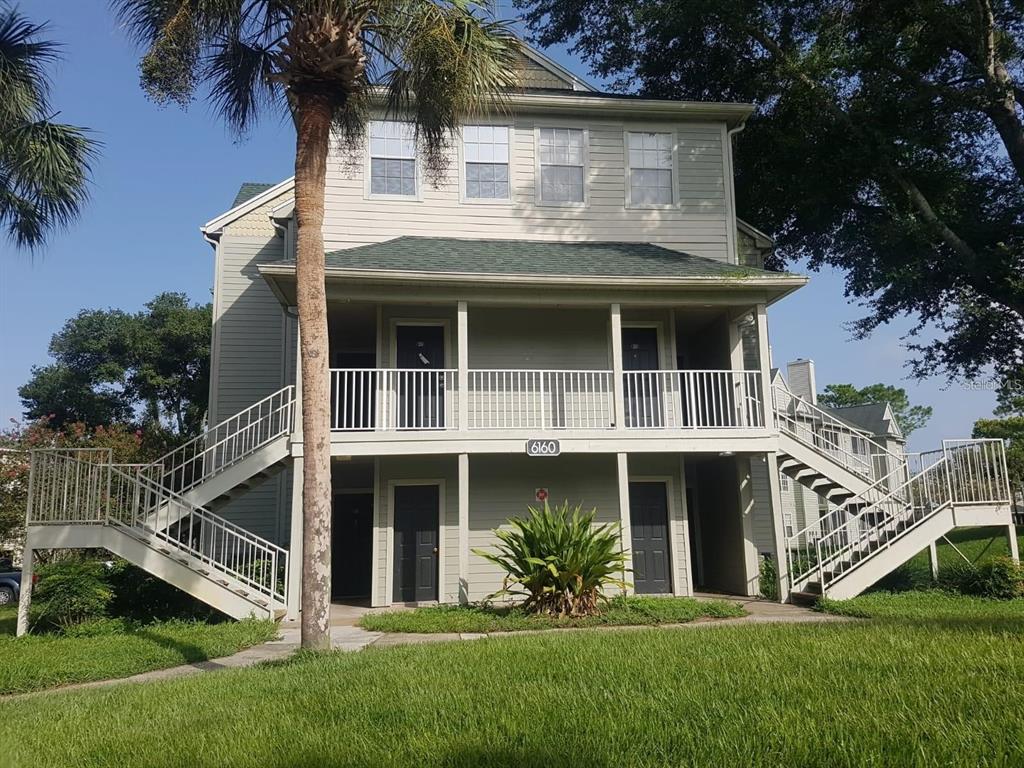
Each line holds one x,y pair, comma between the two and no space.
248,191
529,257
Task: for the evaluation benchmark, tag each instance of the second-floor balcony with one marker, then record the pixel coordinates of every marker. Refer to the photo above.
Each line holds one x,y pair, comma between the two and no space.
440,400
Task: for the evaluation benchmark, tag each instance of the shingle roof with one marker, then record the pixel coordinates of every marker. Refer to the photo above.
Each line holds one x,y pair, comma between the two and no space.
248,191
529,257
869,417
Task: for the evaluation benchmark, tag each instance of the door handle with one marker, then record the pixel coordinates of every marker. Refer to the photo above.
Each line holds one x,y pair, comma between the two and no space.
435,550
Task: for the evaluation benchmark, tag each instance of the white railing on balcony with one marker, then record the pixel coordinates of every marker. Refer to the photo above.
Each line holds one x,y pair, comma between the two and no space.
693,399
377,399
511,399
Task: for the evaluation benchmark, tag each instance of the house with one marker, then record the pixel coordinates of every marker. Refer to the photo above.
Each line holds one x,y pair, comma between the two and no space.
573,311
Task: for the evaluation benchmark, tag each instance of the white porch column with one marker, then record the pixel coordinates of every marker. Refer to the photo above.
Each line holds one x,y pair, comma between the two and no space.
295,543
933,560
778,526
297,413
463,373
764,358
463,527
1011,539
617,379
28,558
622,465
751,560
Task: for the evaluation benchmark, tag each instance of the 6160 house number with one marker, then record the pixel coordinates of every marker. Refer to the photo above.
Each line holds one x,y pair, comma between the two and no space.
543,448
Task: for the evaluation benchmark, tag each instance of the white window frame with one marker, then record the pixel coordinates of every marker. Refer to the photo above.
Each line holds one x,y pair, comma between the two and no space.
368,161
511,167
537,195
675,168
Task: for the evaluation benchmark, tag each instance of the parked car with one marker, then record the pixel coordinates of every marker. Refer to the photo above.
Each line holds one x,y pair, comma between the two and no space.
10,587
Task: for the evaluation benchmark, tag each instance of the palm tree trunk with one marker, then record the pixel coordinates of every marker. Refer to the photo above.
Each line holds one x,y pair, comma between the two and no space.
313,127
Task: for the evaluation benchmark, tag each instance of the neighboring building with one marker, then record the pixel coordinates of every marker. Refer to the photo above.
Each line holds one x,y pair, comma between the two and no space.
578,275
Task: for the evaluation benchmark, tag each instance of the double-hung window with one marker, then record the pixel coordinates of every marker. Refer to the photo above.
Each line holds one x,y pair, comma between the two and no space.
392,159
485,150
561,153
650,159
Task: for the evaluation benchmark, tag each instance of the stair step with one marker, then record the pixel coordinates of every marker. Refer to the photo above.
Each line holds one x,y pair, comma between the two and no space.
805,598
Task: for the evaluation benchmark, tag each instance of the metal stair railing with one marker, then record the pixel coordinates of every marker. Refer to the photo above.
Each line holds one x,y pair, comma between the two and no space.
821,431
227,443
967,472
801,547
83,487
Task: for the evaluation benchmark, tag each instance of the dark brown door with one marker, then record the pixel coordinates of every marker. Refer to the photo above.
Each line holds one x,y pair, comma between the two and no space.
642,392
416,543
420,354
351,545
648,522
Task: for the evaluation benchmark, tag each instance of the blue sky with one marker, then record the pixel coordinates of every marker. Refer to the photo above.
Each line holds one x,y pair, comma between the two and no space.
163,172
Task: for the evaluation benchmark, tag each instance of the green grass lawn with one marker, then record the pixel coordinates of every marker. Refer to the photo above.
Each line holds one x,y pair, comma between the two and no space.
44,661
976,544
907,688
632,611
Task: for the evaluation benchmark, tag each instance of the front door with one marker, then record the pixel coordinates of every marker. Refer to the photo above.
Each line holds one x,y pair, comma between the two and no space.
416,543
419,355
351,545
642,391
648,522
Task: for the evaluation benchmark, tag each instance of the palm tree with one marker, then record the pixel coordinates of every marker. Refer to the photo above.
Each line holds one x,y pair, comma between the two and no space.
44,165
328,62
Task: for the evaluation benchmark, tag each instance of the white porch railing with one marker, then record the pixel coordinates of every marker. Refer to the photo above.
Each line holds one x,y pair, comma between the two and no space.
379,399
511,399
693,399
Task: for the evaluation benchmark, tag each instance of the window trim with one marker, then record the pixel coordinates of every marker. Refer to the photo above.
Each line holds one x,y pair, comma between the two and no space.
538,198
675,169
368,160
511,166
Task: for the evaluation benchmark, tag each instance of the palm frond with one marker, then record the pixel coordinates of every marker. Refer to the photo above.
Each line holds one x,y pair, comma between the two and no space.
451,64
24,57
241,82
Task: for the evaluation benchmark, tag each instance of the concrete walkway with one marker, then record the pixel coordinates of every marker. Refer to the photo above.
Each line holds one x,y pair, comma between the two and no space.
346,636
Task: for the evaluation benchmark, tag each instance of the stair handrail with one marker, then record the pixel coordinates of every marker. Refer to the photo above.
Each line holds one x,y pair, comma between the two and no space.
936,473
134,501
852,461
839,512
190,464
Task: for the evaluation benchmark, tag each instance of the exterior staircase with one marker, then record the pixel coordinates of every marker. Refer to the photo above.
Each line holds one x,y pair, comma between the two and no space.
963,485
159,516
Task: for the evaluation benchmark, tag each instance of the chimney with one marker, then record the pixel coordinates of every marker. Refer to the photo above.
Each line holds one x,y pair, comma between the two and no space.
800,376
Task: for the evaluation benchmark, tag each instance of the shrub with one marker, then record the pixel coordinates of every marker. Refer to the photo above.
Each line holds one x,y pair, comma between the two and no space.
70,592
559,560
138,596
768,578
997,577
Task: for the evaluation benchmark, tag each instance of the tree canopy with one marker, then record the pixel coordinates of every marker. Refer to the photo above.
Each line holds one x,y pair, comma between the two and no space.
44,164
111,366
887,142
908,417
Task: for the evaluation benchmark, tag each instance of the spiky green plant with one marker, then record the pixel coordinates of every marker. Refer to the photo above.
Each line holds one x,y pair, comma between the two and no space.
559,560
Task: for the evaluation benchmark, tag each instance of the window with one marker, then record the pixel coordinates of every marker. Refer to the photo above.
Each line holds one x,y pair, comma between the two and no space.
485,151
650,168
561,152
392,159
783,483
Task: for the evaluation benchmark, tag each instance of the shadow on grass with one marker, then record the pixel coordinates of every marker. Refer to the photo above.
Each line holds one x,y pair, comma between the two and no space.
188,651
